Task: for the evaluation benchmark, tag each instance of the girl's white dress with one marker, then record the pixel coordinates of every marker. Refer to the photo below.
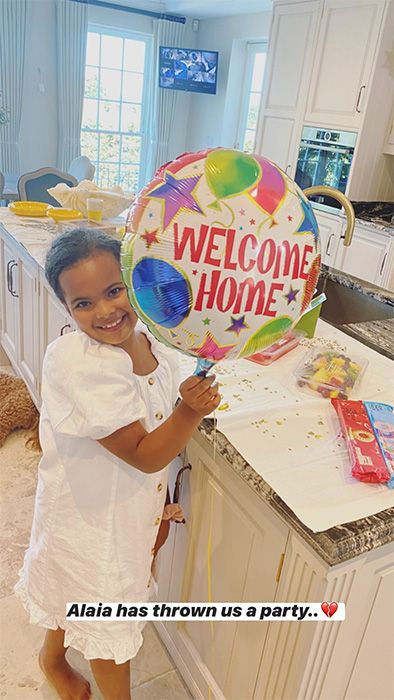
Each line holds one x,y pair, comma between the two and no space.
96,518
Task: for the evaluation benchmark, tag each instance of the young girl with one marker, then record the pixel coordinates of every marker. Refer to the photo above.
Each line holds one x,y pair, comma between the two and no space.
108,431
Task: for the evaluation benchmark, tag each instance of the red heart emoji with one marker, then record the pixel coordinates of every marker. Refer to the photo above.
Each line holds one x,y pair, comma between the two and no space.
329,609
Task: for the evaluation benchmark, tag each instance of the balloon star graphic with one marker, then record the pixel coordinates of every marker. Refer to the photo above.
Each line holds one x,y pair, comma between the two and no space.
308,224
237,325
175,195
252,222
206,321
291,296
150,237
210,350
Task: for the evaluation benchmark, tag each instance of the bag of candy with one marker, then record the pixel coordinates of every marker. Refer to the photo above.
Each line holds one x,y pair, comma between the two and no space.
382,420
367,460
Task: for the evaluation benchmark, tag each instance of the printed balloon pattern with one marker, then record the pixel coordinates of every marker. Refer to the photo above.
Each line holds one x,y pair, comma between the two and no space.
221,254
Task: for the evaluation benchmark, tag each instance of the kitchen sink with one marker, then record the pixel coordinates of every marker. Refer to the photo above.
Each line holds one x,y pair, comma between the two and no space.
345,305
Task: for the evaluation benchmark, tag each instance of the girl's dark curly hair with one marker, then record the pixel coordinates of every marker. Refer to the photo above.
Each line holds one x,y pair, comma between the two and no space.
71,247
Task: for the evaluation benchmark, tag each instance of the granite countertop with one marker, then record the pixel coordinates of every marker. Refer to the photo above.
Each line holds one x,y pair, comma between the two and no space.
334,545
343,278
377,333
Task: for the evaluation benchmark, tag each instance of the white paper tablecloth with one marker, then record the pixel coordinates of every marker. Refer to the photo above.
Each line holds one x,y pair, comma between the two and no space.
293,440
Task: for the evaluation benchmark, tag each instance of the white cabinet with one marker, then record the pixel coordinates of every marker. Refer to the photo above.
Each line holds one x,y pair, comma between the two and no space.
19,311
230,549
9,300
343,63
233,548
54,319
289,64
389,144
28,321
368,256
330,228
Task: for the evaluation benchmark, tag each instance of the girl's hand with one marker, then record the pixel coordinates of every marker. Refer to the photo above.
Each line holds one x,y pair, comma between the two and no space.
200,394
173,511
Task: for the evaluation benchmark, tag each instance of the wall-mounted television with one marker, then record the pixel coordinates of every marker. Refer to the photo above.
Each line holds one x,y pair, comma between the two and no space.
188,69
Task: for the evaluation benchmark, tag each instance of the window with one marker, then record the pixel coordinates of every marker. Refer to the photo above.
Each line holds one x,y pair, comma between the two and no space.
251,95
112,135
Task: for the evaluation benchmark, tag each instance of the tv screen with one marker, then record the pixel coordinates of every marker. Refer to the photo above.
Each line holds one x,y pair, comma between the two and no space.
188,69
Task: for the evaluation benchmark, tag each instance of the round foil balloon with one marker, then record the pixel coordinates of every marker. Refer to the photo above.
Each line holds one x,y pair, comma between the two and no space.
221,255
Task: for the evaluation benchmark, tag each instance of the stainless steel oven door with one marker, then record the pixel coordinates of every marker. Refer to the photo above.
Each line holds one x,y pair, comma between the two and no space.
325,158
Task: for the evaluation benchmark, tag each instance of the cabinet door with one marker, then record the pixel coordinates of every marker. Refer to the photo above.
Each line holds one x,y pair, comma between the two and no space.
28,312
229,551
289,62
9,301
330,233
367,256
346,47
373,672
54,319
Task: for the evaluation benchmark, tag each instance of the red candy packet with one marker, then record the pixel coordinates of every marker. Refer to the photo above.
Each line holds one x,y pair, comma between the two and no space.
367,461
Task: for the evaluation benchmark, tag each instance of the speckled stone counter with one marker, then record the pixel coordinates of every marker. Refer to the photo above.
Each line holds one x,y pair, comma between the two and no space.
336,545
371,290
377,333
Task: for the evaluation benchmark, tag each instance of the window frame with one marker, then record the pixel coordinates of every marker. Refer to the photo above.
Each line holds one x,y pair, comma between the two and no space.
145,99
252,48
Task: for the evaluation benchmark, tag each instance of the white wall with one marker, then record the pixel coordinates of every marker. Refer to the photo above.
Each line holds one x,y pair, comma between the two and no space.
213,118
201,120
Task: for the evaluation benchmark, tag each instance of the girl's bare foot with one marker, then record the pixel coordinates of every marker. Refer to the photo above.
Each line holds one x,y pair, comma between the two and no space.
68,683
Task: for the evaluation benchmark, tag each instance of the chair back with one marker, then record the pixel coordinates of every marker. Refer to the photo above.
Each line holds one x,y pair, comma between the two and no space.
82,168
33,186
2,180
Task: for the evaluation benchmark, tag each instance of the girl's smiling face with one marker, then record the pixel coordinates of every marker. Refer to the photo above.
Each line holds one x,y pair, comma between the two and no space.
96,298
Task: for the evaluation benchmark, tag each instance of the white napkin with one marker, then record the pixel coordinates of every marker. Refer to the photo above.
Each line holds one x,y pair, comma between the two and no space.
115,200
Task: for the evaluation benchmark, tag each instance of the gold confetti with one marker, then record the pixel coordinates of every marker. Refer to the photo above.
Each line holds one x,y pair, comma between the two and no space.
224,407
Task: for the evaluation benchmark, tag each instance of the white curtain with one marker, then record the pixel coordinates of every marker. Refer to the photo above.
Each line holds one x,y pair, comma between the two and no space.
12,60
163,102
72,28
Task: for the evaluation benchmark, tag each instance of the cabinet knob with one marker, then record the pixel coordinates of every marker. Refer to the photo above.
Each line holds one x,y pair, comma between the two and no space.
359,98
63,328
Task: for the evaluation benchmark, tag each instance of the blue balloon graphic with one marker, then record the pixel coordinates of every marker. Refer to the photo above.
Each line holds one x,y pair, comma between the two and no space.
162,292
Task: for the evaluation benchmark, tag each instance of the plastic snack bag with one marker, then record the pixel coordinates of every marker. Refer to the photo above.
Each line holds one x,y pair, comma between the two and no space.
367,461
381,417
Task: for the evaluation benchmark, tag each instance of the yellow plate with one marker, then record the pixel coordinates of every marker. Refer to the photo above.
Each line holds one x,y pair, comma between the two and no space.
60,214
26,208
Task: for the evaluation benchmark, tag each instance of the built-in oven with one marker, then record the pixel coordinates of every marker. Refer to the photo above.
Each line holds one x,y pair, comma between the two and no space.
325,158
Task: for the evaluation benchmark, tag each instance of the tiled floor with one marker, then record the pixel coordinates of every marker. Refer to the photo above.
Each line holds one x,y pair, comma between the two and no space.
153,674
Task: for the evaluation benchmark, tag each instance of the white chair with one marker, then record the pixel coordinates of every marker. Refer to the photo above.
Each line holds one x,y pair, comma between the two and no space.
82,168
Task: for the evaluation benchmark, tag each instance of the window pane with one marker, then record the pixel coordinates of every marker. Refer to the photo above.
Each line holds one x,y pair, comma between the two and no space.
129,178
89,144
131,117
258,72
134,55
110,84
109,116
249,140
131,149
109,147
109,175
132,87
89,116
91,82
93,49
254,104
111,51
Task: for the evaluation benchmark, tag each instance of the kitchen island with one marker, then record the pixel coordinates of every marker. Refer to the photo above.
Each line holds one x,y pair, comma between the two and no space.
241,541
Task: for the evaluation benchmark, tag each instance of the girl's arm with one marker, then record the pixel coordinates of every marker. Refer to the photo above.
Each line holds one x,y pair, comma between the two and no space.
151,452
